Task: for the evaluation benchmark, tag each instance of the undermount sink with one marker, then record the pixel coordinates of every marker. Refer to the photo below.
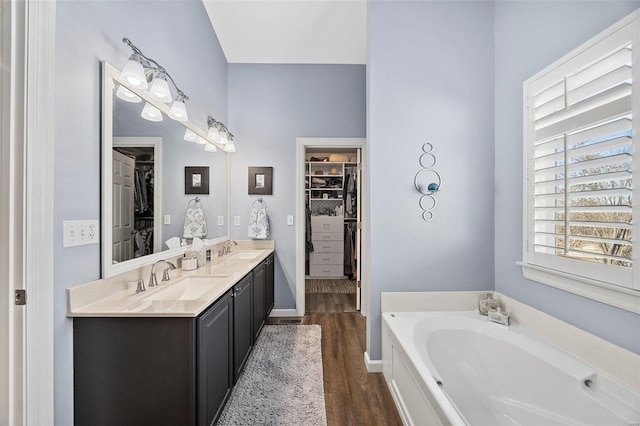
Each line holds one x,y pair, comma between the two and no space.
249,254
191,288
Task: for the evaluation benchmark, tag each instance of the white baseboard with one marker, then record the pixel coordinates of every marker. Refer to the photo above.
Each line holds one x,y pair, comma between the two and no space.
283,313
372,366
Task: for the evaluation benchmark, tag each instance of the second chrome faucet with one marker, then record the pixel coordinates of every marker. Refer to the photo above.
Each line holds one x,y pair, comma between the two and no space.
153,281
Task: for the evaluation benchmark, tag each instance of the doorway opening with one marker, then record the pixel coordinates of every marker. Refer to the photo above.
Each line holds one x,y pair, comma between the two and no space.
330,207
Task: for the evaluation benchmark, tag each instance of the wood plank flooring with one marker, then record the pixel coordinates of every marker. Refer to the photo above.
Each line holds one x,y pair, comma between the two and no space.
352,395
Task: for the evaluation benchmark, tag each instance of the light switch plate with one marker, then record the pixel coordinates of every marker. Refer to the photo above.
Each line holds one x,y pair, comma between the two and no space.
80,232
290,220
220,220
236,221
167,219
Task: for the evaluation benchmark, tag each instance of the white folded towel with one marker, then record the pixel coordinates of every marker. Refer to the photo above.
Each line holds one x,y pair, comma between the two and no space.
258,224
195,224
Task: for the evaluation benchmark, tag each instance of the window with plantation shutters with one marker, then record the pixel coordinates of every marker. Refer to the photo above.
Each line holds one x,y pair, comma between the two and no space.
579,121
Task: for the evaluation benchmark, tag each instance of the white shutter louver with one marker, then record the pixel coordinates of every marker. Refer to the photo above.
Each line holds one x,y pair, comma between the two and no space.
580,164
579,120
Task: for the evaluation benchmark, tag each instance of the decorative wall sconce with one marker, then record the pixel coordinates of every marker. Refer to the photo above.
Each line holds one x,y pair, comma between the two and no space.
428,182
141,70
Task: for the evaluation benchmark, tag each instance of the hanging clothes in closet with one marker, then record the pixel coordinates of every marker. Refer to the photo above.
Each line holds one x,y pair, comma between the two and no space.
350,196
350,249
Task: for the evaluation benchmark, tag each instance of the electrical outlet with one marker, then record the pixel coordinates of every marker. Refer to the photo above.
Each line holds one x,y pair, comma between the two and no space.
167,219
80,232
290,220
236,221
220,220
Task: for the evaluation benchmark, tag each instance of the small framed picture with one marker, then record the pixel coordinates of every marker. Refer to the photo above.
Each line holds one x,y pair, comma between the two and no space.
196,180
261,180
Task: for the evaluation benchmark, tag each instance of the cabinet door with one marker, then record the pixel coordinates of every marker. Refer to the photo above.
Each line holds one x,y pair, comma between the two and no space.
215,359
258,300
269,295
242,323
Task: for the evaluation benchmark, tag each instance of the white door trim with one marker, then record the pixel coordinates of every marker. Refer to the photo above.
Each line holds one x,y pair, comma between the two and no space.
301,147
38,225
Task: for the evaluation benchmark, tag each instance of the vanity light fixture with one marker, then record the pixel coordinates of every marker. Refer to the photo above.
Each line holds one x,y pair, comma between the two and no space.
201,141
230,146
151,113
209,147
127,95
190,136
159,89
140,69
133,71
218,132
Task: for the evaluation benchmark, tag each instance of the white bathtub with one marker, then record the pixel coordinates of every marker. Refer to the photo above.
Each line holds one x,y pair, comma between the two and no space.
458,368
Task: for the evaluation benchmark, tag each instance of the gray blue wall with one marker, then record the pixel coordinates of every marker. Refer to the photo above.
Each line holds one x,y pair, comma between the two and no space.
269,107
529,35
430,80
86,33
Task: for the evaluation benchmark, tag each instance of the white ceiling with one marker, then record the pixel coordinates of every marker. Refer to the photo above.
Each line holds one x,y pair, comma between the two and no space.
290,31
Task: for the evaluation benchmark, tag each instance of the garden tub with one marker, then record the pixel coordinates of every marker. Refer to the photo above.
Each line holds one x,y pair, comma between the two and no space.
458,368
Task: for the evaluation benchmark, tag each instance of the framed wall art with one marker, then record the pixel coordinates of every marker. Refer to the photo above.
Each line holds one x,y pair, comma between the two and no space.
196,180
261,180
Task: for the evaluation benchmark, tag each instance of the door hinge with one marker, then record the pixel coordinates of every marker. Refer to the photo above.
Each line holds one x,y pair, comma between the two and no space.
359,225
21,297
359,284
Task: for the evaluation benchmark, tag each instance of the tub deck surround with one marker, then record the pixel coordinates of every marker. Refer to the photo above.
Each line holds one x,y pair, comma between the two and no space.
419,352
116,296
617,362
458,368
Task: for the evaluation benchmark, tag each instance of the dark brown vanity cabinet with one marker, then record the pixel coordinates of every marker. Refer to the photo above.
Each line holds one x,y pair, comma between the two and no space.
242,323
269,292
259,301
215,359
165,370
161,371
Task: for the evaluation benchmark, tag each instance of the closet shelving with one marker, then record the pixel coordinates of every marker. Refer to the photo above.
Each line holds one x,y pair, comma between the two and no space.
325,186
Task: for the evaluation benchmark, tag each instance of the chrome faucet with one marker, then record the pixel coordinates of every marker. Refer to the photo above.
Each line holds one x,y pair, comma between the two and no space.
141,287
165,277
226,247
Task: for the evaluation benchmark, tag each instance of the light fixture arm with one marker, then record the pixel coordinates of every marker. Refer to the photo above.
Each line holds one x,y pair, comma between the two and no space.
154,66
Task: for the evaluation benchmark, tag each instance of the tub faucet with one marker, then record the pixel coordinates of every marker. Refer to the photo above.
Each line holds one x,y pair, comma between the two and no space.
499,316
153,281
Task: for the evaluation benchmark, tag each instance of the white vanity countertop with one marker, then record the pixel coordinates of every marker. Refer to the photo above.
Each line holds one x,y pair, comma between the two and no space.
187,294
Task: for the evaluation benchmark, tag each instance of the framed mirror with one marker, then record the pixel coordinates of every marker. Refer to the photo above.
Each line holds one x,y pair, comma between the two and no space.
144,203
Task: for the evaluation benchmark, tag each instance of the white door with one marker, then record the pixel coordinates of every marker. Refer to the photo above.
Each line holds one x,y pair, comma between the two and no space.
358,228
123,187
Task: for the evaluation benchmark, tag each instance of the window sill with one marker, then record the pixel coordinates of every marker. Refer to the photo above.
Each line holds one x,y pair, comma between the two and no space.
620,297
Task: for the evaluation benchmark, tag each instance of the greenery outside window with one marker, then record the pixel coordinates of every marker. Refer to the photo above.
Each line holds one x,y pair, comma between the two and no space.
580,114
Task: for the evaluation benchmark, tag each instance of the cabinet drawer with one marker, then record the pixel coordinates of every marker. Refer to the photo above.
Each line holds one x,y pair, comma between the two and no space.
327,224
326,270
326,236
328,246
326,258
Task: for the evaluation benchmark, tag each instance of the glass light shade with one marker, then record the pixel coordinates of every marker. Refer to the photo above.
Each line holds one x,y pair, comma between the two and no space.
133,73
190,136
151,113
213,134
178,111
201,140
127,95
230,147
210,148
223,138
160,89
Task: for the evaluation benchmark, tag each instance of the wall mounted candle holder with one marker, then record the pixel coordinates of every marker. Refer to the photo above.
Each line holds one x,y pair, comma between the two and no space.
427,182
